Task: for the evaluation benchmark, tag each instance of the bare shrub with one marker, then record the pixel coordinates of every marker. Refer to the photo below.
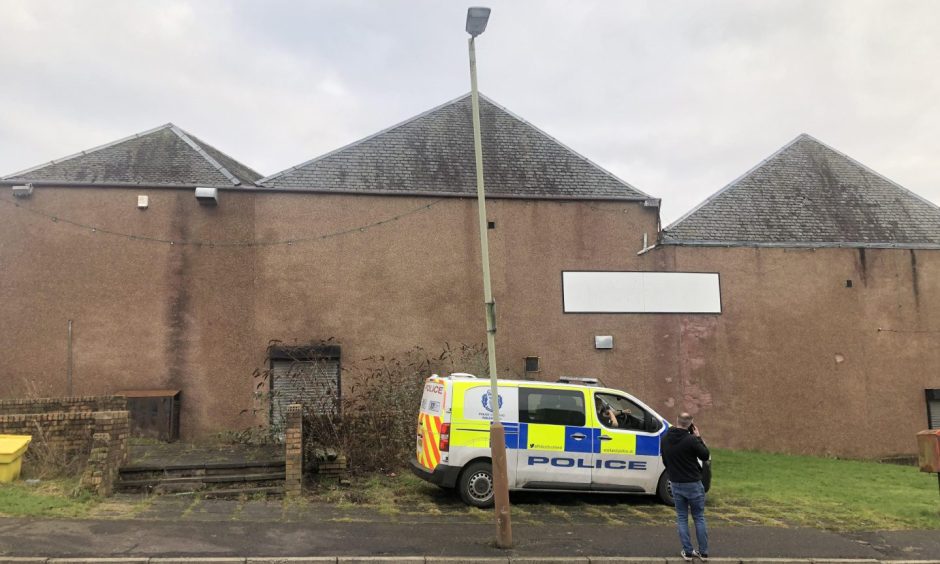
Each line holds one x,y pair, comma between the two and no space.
374,422
47,459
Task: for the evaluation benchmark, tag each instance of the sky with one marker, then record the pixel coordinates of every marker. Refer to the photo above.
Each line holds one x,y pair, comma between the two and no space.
678,98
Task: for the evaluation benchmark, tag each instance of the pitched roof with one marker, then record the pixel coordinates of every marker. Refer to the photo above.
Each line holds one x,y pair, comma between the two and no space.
433,153
810,195
166,155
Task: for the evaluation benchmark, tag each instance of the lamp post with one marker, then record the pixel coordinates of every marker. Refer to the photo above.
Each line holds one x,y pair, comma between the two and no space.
476,23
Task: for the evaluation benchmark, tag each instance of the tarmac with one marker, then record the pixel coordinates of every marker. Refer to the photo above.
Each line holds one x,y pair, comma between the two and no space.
64,541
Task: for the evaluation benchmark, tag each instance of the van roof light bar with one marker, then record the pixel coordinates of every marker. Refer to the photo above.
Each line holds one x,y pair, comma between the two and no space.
576,380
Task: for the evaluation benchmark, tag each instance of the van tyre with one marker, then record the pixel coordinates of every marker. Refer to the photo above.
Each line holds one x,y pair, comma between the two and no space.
664,490
476,484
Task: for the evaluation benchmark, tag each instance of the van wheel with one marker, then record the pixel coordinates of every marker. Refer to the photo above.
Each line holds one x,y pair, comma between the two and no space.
664,490
476,485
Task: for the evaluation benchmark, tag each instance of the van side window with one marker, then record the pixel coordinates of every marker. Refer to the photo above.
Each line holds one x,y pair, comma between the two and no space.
630,416
551,407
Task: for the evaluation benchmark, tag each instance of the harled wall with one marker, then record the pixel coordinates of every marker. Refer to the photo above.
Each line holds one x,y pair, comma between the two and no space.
796,362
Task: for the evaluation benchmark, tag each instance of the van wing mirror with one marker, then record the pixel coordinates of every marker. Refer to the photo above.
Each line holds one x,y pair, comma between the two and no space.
651,423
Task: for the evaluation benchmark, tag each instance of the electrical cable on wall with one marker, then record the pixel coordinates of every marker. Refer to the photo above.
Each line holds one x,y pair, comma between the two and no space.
287,242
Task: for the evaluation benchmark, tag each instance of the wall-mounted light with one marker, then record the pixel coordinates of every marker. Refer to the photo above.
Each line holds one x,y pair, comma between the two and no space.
207,196
143,201
603,341
22,191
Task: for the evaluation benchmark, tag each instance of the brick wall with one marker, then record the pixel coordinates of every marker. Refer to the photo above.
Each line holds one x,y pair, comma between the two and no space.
88,429
50,405
108,451
294,451
69,433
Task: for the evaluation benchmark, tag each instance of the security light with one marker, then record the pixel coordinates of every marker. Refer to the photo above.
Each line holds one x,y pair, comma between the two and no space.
22,191
476,20
207,196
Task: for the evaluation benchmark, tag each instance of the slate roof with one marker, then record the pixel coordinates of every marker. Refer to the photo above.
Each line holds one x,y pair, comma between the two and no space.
166,155
810,195
433,153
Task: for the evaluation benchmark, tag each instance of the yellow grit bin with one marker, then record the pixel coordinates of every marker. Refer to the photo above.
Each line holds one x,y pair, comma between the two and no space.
12,448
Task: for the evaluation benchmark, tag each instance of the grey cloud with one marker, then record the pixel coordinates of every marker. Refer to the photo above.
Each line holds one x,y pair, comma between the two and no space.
675,97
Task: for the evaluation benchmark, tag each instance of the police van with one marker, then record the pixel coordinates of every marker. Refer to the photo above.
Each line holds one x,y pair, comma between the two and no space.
570,435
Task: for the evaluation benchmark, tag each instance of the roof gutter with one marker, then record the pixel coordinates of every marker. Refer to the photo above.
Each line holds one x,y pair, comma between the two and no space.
262,189
801,244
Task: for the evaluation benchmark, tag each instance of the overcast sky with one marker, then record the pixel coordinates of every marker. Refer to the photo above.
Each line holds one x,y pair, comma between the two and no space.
678,98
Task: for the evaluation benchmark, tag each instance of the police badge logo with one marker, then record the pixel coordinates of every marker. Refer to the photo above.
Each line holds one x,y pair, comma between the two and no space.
488,401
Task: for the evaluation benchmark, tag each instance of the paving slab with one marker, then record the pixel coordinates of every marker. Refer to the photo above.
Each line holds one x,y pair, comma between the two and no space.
625,560
98,561
293,560
464,560
380,559
135,538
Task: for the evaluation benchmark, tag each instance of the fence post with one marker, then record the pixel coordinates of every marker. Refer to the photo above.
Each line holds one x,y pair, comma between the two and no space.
294,451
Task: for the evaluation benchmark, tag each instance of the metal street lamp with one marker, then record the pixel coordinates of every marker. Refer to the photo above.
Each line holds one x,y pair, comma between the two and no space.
476,23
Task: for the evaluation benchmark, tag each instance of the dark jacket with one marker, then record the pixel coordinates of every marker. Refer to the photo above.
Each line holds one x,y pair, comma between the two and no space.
681,451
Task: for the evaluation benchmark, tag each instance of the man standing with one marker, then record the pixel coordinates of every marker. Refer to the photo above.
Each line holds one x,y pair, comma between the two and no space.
682,448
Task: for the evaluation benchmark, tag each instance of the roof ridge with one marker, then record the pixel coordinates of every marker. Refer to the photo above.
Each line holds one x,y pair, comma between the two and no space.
567,148
734,182
89,151
202,153
360,141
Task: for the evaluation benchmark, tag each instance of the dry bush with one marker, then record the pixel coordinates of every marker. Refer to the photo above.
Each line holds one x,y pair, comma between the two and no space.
46,460
374,422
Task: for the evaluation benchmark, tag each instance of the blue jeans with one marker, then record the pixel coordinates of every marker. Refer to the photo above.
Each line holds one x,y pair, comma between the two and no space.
688,496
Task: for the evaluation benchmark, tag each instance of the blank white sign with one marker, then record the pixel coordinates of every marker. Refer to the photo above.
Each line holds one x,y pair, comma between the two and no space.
641,292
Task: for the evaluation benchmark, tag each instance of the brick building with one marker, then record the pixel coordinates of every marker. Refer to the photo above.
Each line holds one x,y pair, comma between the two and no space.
376,246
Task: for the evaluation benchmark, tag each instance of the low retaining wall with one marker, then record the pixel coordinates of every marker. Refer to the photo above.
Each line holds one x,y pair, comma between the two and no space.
54,405
90,429
108,451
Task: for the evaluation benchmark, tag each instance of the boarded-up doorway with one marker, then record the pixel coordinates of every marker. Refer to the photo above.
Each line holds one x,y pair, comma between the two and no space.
307,375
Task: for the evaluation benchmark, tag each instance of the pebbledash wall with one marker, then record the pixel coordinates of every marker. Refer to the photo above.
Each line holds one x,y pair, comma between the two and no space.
796,361
816,351
199,318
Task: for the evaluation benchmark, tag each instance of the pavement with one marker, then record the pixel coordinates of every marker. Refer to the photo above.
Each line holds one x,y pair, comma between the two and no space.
184,528
329,540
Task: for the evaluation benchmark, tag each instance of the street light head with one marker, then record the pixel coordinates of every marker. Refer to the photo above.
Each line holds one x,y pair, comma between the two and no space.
476,20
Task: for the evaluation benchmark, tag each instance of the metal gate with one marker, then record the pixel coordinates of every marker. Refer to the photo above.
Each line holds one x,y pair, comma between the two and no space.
306,376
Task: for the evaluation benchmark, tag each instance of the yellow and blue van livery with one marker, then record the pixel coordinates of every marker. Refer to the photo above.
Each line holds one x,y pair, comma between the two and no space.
560,436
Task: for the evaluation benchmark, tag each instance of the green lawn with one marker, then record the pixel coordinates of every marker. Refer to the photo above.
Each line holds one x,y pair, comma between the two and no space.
50,498
825,493
749,489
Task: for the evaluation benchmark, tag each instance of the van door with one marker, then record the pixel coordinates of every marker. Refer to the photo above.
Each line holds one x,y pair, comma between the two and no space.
555,440
626,448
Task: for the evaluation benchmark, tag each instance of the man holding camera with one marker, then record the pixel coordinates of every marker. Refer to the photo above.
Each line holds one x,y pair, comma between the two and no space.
682,448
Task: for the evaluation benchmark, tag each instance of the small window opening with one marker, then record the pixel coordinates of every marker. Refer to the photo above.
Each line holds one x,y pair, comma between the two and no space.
848,283
491,225
532,364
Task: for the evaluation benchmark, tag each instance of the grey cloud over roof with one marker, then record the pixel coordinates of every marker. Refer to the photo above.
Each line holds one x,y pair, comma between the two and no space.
166,155
808,194
433,153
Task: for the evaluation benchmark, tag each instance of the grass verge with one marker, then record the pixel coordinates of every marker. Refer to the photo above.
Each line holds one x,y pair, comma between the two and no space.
749,488
825,493
50,498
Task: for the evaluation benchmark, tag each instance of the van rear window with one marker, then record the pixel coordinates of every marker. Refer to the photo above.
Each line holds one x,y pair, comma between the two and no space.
551,407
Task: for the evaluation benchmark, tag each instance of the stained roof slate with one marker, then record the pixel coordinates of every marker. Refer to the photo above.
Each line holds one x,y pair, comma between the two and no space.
433,153
809,194
166,155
